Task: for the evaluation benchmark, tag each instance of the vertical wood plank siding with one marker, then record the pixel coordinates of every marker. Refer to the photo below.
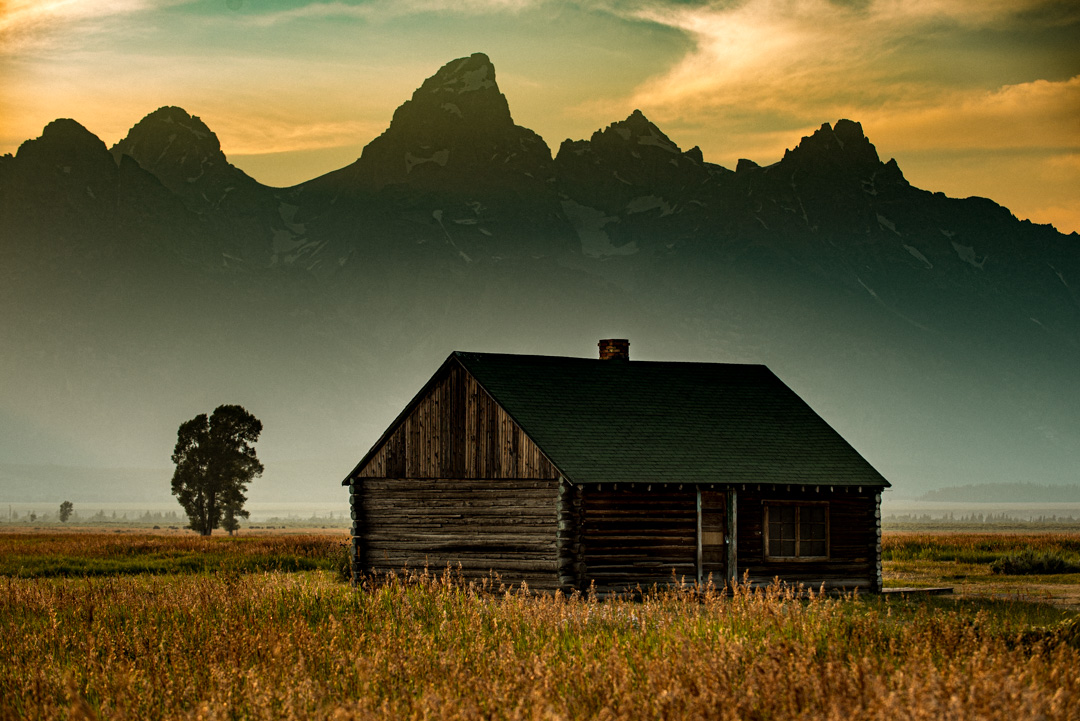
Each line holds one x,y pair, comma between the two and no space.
458,483
853,545
457,431
633,537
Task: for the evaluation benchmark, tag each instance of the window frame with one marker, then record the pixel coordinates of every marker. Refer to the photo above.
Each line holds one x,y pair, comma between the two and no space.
798,528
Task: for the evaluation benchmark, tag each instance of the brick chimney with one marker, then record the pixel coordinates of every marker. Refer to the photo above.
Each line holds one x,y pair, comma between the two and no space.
614,349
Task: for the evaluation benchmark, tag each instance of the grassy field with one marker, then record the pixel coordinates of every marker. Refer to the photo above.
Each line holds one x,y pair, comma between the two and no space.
966,563
86,553
240,637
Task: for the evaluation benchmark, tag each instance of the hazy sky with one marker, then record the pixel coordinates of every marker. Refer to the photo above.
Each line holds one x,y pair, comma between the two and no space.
972,97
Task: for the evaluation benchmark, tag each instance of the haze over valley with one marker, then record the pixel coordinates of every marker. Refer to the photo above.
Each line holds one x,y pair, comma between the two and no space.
148,282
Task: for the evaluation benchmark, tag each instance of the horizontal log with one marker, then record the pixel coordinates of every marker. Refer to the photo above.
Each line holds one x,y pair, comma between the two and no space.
462,527
535,515
639,509
499,484
545,533
794,569
640,549
612,529
499,565
547,494
459,545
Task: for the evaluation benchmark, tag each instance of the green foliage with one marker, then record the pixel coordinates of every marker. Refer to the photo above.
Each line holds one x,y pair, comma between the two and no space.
65,510
215,460
1030,563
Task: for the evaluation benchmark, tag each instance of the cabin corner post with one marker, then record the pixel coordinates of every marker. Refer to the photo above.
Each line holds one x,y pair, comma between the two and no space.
355,513
568,536
699,554
878,583
731,536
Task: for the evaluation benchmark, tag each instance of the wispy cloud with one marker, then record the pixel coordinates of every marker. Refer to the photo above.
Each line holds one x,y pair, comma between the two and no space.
384,9
1038,114
919,74
28,23
793,63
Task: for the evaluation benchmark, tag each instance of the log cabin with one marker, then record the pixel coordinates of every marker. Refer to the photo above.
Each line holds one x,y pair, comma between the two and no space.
571,473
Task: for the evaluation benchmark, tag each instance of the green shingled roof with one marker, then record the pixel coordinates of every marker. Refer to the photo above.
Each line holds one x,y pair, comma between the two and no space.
659,422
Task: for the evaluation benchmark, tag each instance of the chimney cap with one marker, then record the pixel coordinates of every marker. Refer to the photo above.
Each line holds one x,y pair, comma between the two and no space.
614,349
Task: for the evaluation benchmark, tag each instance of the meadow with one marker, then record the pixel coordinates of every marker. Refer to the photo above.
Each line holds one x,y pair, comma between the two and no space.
247,639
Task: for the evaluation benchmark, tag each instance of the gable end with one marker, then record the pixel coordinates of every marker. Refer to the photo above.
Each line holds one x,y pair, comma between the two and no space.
453,428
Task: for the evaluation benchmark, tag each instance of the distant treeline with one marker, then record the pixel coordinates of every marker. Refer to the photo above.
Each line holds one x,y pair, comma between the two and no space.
1005,493
98,518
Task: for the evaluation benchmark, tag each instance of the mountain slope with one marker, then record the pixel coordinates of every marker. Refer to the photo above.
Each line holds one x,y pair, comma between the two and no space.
154,281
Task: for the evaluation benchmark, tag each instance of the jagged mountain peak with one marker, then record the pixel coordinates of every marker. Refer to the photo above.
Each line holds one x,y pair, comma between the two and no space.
455,132
463,92
636,130
464,75
842,144
66,153
67,128
184,154
170,139
63,135
172,120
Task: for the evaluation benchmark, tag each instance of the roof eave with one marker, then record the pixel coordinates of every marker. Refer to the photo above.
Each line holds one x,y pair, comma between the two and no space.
454,357
399,419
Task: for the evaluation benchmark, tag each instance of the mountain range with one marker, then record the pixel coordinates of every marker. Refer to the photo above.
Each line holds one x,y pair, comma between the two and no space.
151,281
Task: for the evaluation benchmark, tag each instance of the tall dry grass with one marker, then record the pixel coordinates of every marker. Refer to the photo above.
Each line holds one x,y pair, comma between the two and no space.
285,646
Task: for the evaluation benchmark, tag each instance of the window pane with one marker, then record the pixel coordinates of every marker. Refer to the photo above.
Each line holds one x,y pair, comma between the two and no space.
782,530
792,525
812,531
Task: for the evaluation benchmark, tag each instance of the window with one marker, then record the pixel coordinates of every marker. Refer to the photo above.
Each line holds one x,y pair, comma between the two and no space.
796,530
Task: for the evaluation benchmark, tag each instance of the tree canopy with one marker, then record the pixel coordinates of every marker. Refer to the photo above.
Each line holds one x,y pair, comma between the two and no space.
215,460
65,510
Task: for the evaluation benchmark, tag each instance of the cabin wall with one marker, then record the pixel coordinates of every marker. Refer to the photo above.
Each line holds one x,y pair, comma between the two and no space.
482,525
457,431
854,558
635,536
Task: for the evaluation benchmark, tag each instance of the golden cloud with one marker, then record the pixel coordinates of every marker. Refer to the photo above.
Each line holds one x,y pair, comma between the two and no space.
1038,114
26,24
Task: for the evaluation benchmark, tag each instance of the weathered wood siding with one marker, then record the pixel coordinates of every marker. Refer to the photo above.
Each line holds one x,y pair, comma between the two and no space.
636,537
457,431
854,539
482,525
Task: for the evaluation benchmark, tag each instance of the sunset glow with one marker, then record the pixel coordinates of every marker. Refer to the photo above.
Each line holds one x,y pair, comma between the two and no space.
971,98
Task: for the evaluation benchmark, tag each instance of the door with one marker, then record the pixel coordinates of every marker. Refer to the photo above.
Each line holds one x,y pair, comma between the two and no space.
712,549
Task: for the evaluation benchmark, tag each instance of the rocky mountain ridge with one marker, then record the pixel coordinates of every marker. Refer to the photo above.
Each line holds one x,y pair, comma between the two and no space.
916,323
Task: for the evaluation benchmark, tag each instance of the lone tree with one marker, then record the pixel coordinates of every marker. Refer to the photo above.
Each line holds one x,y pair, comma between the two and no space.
215,460
65,511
